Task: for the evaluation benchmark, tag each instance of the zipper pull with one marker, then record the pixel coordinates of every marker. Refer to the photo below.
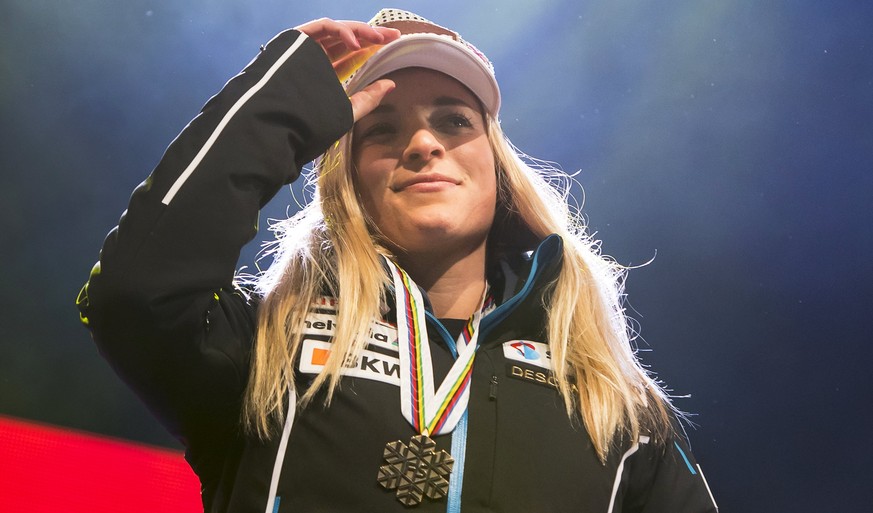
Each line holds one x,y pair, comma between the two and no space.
492,394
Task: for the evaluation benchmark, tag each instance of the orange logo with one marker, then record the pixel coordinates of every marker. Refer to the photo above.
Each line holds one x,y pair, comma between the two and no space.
319,356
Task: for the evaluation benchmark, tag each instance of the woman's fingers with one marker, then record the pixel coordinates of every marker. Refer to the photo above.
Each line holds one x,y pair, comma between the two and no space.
339,38
348,44
368,98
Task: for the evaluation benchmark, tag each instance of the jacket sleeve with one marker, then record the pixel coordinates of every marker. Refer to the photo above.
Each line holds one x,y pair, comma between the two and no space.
667,478
161,303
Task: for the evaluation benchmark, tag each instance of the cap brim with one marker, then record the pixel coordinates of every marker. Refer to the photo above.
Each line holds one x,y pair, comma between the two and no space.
436,52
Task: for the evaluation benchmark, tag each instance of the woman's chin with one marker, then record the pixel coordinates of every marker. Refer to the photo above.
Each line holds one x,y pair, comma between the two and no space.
437,237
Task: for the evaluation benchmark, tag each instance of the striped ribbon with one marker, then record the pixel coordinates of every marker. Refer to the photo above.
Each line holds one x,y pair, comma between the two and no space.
430,412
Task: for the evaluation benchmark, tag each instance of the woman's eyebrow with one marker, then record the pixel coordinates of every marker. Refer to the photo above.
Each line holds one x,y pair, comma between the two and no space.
440,101
384,108
450,101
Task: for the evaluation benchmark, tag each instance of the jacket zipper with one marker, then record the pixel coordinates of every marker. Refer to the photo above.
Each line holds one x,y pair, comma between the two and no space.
492,389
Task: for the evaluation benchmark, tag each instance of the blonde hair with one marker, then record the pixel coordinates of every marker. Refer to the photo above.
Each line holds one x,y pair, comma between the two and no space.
330,248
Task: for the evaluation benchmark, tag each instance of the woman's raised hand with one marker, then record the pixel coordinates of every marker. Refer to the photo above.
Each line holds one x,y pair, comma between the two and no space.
344,42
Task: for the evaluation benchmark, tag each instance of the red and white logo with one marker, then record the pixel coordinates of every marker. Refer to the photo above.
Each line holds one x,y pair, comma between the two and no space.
527,351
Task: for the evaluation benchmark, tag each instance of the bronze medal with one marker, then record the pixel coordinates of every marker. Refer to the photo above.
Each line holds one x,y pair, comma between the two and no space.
416,470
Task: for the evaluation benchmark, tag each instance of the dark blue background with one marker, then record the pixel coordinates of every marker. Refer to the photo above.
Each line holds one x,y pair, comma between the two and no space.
731,141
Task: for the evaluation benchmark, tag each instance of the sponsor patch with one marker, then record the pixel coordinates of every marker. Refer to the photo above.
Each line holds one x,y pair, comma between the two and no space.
529,352
368,365
324,325
540,377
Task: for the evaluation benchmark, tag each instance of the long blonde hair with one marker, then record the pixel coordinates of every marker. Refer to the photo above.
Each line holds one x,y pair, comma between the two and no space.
330,248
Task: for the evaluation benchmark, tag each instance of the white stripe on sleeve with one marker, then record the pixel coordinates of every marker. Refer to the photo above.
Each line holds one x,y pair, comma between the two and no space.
227,117
283,447
634,448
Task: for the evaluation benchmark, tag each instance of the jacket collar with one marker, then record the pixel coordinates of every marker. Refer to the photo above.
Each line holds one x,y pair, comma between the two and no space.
511,273
514,277
525,303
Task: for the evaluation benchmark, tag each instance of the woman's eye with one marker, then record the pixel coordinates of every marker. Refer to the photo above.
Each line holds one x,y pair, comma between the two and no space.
455,121
461,120
379,129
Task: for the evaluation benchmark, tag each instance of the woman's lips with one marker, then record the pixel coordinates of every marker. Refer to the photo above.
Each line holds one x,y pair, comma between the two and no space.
427,183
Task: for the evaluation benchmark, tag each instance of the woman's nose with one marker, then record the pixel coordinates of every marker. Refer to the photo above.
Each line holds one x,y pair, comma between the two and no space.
423,145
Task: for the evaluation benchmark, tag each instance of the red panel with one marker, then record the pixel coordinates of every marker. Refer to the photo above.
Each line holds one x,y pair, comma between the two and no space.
50,470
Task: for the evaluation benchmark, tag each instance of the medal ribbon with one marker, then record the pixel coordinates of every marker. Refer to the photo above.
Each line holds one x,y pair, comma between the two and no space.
430,412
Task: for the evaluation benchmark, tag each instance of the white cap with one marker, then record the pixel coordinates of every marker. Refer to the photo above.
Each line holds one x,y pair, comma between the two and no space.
424,44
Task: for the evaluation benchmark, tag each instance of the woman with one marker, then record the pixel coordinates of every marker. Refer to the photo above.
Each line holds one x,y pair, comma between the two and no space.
435,331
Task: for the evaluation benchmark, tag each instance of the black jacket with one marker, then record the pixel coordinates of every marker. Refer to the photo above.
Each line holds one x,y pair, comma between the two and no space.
164,311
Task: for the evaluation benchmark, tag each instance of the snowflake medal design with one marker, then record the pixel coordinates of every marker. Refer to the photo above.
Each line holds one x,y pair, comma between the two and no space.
416,470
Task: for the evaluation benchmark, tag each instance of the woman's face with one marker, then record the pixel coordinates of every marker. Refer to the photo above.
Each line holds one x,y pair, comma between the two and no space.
424,167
